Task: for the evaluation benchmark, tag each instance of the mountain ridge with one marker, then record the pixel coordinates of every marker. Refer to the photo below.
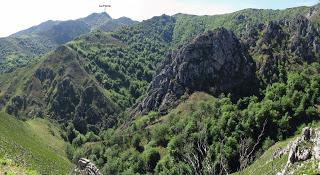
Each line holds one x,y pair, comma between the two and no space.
28,44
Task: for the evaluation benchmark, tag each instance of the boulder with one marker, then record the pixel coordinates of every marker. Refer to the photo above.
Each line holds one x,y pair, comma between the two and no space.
316,148
306,133
304,155
292,158
85,167
304,148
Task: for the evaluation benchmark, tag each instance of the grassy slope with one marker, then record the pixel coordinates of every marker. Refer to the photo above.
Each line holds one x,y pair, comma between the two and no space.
8,167
31,145
265,166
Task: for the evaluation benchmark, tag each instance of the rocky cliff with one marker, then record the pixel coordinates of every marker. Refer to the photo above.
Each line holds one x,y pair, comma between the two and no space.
214,62
279,45
303,151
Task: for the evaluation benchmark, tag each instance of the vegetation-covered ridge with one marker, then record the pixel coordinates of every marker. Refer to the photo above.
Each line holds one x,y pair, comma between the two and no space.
24,47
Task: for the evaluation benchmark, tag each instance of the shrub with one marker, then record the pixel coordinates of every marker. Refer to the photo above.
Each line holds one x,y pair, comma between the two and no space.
151,157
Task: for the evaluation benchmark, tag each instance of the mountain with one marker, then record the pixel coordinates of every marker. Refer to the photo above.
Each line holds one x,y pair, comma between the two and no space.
23,47
95,69
213,62
178,94
64,94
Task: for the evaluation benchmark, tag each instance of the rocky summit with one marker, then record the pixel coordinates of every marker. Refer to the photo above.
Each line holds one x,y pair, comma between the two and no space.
279,43
214,62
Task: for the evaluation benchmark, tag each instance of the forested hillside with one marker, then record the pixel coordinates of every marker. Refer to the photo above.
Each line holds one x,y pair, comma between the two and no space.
24,47
178,94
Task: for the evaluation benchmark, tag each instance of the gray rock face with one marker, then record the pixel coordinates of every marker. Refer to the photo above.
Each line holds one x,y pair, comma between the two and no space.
316,148
306,132
85,167
279,43
304,42
214,62
304,148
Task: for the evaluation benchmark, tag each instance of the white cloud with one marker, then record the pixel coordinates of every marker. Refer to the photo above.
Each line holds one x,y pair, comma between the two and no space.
17,15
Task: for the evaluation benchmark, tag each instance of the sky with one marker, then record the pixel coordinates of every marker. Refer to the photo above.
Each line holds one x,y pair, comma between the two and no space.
16,15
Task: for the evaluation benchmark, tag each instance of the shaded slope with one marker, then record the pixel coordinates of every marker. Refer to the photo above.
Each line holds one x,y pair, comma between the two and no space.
61,89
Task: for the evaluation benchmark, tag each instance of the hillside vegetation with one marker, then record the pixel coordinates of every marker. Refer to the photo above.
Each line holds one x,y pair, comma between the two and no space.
35,145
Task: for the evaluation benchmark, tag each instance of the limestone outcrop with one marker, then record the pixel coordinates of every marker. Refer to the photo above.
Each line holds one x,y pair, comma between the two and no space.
214,62
302,149
86,167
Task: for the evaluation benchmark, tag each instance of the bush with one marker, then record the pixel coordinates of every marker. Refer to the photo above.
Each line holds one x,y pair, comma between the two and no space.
151,157
79,140
91,137
267,144
70,151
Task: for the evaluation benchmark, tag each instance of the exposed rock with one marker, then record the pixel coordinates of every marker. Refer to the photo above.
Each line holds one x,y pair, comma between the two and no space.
214,62
278,43
312,12
85,167
304,148
304,154
293,151
304,36
306,132
316,148
279,153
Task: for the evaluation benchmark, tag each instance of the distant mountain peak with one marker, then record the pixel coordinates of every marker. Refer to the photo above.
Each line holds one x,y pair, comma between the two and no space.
94,17
99,15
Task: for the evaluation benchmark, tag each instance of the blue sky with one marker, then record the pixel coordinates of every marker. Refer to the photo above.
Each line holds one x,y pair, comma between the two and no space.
16,15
